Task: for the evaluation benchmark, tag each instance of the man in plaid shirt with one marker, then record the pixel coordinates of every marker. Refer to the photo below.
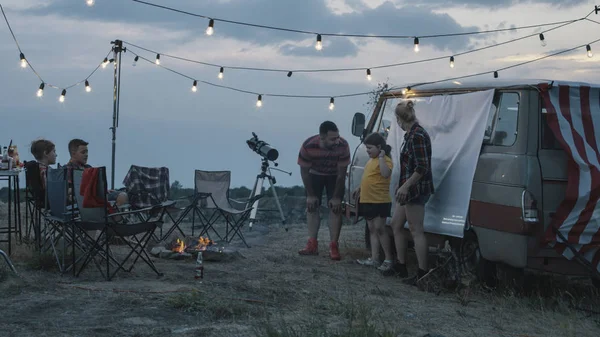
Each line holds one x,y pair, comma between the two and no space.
414,190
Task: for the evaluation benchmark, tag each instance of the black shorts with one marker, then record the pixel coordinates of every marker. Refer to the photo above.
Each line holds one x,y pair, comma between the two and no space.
327,183
371,211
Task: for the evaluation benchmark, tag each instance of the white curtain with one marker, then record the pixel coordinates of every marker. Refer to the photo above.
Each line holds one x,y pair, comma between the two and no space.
456,125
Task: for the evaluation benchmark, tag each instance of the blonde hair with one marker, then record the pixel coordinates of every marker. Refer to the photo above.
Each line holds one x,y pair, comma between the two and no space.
405,111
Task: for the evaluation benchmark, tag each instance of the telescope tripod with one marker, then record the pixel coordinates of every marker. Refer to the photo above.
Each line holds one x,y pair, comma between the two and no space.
265,173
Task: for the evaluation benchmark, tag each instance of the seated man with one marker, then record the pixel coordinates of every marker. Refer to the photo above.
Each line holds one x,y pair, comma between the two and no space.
78,149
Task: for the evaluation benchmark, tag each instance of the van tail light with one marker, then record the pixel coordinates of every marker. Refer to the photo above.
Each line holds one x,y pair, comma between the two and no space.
529,207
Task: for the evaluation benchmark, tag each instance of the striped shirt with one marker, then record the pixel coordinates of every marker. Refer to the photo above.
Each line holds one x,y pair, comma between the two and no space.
324,161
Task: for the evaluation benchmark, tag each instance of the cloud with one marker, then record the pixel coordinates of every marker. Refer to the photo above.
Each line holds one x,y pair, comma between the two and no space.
312,15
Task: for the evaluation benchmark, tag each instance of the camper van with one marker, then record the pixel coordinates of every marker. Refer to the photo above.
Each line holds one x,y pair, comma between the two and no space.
520,172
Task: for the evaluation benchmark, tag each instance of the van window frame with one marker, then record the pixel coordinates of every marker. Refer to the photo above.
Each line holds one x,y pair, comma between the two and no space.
498,102
544,127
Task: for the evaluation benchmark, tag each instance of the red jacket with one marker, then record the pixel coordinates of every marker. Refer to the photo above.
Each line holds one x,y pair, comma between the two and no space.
89,189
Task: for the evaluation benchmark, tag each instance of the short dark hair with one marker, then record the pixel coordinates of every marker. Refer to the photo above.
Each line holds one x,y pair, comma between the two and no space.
327,126
40,147
74,144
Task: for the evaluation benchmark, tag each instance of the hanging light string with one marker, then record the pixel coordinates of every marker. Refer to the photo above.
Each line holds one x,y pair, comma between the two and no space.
368,69
495,72
213,19
331,102
28,64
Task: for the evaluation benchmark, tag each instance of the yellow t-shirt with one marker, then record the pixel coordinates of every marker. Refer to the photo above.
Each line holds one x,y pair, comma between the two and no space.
374,188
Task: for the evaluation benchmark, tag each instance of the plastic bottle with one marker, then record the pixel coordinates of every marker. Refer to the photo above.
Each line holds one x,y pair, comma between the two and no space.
199,267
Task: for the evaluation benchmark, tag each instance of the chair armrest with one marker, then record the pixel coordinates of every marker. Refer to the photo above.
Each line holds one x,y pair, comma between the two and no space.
142,210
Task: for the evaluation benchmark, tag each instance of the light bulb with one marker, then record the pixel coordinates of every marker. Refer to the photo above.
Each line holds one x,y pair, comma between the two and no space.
157,59
451,61
210,29
416,44
404,91
331,103
221,73
90,2
368,74
319,44
542,40
495,74
289,74
40,91
62,96
87,86
135,60
23,61
589,51
105,62
194,86
259,101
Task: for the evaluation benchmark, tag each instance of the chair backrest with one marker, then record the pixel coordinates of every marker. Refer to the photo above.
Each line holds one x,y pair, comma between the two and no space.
217,184
56,192
90,214
33,183
147,186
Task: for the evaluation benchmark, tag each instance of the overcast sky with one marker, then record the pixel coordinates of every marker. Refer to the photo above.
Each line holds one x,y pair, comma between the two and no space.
164,123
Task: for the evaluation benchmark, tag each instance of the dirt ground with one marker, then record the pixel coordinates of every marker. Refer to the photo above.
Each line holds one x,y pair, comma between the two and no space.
273,291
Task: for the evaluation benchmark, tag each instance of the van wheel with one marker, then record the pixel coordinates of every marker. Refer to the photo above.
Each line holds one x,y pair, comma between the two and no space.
484,270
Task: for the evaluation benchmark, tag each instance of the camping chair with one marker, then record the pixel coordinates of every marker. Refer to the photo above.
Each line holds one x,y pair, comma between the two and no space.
59,218
215,185
35,201
95,213
149,187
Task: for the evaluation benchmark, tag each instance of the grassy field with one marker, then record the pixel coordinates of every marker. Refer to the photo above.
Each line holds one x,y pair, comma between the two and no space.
272,291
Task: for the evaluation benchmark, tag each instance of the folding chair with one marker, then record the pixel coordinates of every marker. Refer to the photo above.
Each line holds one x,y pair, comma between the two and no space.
215,185
35,201
59,218
95,212
150,187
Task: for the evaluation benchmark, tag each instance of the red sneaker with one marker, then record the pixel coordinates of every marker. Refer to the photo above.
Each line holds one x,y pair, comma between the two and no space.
334,252
312,248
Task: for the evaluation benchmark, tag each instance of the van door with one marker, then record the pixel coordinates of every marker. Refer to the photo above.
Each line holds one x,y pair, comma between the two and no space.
553,164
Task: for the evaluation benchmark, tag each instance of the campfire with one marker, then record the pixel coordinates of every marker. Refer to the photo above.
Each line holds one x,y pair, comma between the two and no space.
191,245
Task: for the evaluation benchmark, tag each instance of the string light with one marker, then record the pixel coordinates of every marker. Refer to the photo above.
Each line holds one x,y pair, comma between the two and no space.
195,86
319,44
542,40
368,74
451,61
23,61
259,101
87,86
40,91
588,48
105,62
62,96
135,61
90,2
495,74
221,73
157,59
331,103
416,44
210,29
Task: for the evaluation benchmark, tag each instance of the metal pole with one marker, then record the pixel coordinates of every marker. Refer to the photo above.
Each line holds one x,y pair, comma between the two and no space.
117,49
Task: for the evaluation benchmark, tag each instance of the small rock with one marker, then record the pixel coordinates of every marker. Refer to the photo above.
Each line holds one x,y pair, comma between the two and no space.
157,250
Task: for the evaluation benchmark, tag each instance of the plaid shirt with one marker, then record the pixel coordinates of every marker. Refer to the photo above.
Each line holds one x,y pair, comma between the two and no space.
74,166
415,156
147,186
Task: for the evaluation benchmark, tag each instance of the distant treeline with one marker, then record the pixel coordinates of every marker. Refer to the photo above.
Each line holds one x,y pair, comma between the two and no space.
177,191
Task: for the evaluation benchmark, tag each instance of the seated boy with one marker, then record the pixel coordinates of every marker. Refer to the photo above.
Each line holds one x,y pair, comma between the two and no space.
44,153
78,149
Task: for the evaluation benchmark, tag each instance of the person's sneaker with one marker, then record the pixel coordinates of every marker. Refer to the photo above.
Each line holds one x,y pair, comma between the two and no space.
334,251
386,268
312,248
368,262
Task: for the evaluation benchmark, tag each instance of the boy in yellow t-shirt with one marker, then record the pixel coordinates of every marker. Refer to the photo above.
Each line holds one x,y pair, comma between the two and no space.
375,203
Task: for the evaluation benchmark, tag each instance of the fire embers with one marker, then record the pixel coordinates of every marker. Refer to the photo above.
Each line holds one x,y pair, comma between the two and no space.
191,245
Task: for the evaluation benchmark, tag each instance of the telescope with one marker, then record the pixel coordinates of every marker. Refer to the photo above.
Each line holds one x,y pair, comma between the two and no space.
262,148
